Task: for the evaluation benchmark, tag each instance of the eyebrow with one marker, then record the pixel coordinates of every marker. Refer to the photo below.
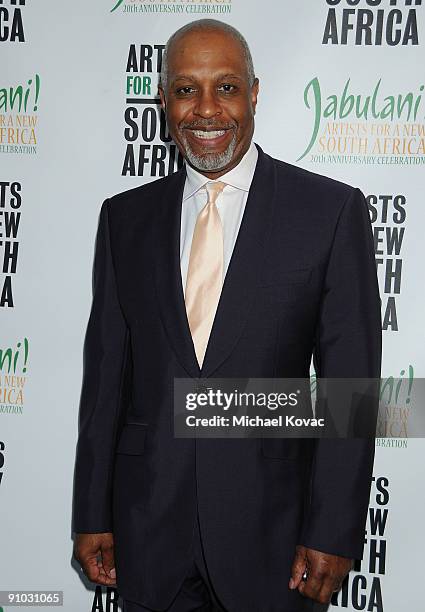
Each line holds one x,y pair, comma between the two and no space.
186,77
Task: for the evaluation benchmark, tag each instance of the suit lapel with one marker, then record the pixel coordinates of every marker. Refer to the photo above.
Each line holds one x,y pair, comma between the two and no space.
241,278
168,275
245,265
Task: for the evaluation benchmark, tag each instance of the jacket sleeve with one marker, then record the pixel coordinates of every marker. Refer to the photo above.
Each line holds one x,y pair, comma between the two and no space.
106,349
348,345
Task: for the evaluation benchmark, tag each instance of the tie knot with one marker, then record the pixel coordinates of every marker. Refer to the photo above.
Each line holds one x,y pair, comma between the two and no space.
214,190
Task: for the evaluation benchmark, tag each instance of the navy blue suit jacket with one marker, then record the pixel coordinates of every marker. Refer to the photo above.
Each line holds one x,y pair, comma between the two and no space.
301,282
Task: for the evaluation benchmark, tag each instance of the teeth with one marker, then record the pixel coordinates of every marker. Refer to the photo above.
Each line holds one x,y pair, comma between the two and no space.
208,135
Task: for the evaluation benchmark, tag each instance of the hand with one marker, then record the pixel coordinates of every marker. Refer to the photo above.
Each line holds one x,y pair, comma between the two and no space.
325,573
95,553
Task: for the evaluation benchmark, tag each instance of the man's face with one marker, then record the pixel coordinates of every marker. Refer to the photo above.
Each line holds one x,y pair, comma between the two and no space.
209,102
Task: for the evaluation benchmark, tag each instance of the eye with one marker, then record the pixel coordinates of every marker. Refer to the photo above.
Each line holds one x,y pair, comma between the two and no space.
185,90
227,88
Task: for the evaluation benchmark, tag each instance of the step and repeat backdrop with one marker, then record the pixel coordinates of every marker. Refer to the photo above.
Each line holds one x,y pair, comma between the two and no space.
342,93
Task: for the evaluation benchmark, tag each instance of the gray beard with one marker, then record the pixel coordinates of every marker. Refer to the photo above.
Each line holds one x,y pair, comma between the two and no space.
210,162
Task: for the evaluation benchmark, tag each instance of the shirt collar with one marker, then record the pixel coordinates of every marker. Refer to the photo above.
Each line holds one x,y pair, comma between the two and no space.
239,177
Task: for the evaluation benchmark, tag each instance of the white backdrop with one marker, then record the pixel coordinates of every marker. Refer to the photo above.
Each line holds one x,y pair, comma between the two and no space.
71,136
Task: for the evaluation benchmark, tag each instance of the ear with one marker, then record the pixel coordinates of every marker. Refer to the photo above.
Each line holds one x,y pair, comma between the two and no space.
254,93
162,97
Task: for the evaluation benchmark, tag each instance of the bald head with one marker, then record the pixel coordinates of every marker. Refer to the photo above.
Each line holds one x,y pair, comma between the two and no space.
204,26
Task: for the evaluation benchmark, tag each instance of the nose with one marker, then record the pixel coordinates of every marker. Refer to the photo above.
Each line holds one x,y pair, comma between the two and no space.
207,104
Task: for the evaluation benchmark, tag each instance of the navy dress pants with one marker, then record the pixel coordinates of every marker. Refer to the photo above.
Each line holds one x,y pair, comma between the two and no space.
196,592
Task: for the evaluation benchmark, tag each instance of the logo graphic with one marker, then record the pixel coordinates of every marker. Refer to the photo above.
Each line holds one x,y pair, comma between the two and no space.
364,587
396,395
371,22
11,22
106,599
117,5
10,203
173,7
2,447
18,117
13,370
149,149
388,213
365,128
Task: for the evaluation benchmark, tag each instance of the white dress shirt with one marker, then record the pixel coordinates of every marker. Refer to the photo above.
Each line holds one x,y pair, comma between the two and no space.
230,204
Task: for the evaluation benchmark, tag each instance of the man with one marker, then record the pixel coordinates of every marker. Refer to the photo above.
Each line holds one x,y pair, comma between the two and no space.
243,525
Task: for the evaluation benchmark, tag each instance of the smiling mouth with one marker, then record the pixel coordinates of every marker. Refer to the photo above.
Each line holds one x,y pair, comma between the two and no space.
209,137
208,134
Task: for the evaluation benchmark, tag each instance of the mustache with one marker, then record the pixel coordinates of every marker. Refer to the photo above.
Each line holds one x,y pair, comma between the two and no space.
207,123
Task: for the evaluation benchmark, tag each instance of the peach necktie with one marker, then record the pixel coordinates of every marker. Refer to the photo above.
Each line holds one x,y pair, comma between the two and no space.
205,271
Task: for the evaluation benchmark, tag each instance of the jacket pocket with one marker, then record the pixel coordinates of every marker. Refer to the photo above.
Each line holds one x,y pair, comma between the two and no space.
132,439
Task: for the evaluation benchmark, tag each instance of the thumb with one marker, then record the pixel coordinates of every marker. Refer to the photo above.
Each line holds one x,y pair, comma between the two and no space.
108,561
298,567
